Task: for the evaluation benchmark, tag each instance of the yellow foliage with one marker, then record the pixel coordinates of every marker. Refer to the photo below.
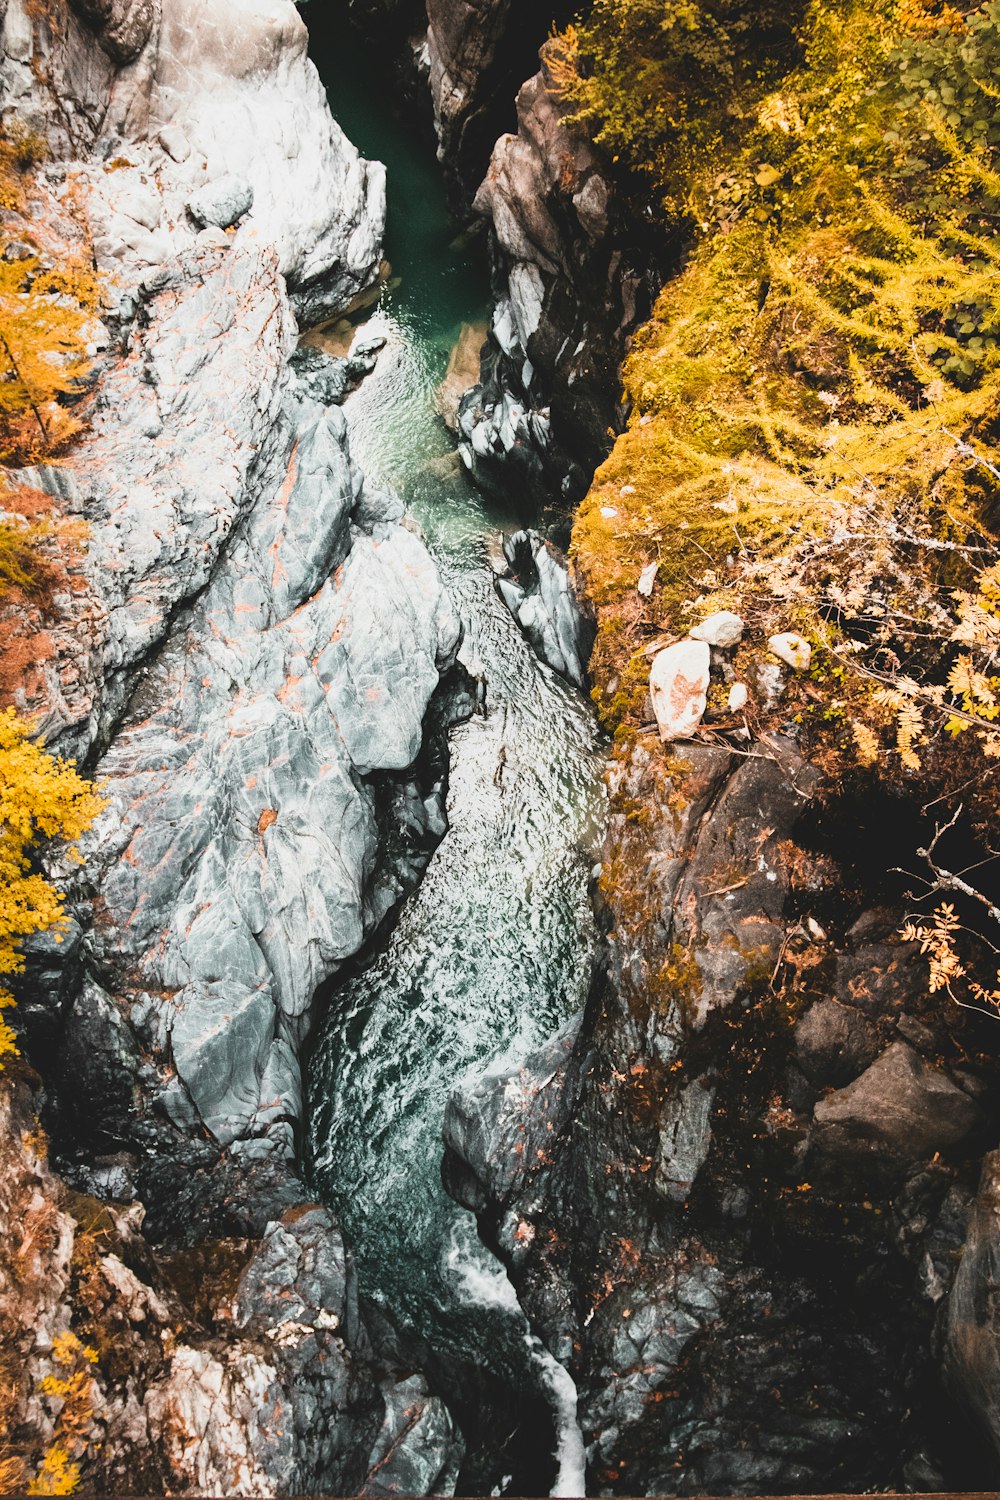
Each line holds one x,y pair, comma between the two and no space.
58,1475
918,18
44,313
40,798
866,742
21,150
59,1472
802,381
42,357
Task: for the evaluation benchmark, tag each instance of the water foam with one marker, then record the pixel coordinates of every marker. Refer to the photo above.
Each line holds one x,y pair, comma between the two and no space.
483,1281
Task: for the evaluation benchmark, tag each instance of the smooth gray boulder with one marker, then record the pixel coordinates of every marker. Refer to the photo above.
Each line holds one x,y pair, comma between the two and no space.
500,1129
419,1449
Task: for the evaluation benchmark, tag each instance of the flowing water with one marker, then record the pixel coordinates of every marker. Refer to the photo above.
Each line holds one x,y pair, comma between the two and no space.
492,954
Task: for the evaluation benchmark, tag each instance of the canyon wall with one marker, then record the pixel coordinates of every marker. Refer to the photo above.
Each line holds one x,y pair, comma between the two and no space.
248,660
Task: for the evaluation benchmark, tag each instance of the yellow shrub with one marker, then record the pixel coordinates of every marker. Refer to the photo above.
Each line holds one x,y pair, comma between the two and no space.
41,797
59,1473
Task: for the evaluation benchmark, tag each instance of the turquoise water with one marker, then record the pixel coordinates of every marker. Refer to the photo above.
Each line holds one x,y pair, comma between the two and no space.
493,952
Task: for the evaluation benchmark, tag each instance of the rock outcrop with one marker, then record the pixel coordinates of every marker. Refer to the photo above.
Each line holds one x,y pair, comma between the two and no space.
217,102
542,592
480,52
250,655
734,1199
241,858
231,1367
574,275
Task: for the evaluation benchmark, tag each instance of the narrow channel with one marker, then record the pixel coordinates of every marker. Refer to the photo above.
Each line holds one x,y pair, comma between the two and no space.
492,954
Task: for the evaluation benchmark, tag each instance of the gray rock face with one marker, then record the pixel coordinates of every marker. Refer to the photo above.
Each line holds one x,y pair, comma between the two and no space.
480,52
182,102
239,859
123,27
572,281
542,593
249,661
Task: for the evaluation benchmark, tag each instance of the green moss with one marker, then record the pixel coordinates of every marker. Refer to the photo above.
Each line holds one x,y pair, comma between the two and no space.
839,318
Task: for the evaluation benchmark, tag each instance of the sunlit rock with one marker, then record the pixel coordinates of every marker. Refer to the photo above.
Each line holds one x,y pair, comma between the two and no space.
678,687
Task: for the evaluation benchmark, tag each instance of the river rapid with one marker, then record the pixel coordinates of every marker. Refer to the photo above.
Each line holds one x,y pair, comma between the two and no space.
493,953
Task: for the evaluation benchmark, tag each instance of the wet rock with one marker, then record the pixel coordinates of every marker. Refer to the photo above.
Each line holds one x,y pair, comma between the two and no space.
542,593
500,1130
418,1450
462,373
678,686
902,1102
322,377
573,277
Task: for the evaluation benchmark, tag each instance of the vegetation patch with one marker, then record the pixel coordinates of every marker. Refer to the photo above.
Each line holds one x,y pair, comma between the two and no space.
813,402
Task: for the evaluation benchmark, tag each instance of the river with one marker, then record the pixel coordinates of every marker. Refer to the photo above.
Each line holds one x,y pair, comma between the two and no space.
492,954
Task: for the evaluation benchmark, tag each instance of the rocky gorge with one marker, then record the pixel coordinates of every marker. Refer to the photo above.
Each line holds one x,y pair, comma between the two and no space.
428,1094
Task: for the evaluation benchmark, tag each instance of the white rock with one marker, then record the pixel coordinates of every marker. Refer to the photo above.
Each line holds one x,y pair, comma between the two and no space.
721,629
678,686
175,143
793,649
738,696
647,579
